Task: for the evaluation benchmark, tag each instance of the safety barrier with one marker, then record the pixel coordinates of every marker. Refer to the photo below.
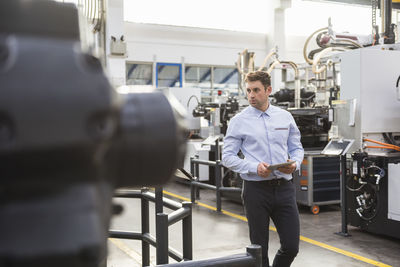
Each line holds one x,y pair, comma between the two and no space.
163,221
219,189
252,258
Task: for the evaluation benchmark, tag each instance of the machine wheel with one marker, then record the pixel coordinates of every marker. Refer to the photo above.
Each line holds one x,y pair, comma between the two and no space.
314,209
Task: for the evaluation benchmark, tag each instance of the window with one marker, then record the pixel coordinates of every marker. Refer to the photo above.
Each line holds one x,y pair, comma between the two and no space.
198,77
225,78
139,74
169,75
208,78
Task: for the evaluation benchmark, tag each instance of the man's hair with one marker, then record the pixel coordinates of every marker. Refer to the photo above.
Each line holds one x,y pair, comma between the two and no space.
261,76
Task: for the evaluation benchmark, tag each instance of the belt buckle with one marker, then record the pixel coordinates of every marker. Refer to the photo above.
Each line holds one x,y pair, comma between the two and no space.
275,182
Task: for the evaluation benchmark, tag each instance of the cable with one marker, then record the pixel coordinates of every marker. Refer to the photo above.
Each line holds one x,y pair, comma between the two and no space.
238,62
384,145
306,44
276,62
357,45
353,189
271,53
315,69
190,98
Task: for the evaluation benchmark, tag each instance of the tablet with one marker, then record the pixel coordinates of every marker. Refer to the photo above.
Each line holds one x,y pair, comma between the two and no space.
274,167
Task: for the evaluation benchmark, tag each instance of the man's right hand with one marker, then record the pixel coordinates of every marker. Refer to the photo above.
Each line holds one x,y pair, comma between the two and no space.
262,170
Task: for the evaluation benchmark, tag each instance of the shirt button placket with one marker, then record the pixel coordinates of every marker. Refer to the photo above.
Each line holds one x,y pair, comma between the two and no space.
265,118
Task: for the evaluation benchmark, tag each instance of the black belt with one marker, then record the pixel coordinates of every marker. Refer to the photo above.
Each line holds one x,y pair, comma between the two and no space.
277,182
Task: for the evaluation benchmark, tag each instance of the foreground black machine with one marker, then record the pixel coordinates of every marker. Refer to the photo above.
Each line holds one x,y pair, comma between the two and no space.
67,140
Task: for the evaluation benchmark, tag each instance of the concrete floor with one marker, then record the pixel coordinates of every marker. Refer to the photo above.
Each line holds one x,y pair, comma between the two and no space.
217,235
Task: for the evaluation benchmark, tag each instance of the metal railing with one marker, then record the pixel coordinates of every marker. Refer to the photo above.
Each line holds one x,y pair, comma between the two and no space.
252,258
195,183
163,221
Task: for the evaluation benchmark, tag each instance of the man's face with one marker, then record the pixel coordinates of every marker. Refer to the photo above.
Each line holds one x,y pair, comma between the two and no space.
257,95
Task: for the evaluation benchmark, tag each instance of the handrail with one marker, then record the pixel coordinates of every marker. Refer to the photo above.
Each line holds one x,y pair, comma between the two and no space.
163,221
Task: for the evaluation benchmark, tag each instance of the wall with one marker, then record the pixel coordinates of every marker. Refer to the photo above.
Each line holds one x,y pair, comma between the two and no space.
165,43
190,45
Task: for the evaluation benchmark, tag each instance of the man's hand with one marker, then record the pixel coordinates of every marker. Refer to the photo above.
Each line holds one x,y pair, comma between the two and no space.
288,169
262,170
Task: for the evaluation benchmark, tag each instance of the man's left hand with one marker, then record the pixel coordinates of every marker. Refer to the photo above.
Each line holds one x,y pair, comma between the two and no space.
288,169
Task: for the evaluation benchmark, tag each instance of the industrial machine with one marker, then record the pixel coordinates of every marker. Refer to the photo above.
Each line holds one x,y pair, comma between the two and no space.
325,63
373,193
218,114
368,113
67,140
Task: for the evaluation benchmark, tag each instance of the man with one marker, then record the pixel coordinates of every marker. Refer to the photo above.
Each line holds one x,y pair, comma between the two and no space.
266,135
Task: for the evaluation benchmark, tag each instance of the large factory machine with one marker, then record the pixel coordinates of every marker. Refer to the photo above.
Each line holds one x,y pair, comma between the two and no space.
319,179
369,113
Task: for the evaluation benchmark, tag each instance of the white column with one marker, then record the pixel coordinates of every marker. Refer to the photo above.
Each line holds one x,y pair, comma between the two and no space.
116,66
278,38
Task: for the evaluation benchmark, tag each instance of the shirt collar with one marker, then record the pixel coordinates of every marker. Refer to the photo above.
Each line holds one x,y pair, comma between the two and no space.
258,112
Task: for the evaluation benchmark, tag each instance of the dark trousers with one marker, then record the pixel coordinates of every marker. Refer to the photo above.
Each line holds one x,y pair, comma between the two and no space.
263,201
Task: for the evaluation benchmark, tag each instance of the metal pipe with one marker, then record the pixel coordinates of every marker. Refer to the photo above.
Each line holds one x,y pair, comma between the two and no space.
125,235
171,204
315,63
297,84
297,95
145,231
177,215
383,18
343,196
276,62
162,238
205,162
127,193
159,200
197,173
148,238
175,254
388,22
230,189
240,260
218,184
192,187
309,61
270,54
203,185
187,234
182,212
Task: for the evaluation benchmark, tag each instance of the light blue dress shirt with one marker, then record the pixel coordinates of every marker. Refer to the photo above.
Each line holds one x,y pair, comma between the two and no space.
271,136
